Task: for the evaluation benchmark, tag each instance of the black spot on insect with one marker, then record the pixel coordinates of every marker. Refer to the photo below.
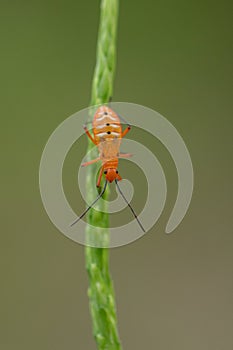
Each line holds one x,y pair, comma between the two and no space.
117,171
108,132
106,113
107,124
105,172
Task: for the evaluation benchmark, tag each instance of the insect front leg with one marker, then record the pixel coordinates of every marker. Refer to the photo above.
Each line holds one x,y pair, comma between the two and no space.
100,176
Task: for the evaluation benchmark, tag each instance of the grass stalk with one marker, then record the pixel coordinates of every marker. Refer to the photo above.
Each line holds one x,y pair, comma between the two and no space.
100,291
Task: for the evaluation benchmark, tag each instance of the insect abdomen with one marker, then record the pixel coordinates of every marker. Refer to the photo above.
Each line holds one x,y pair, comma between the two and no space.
106,125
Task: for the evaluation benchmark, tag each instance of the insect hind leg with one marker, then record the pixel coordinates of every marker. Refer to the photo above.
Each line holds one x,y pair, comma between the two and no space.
89,134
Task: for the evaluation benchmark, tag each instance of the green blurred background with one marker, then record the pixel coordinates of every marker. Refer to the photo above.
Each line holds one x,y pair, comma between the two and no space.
173,292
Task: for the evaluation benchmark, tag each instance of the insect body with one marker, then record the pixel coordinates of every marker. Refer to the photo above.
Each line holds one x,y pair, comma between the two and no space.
108,133
107,130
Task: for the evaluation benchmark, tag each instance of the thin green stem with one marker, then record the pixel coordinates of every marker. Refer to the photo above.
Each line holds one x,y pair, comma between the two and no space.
100,292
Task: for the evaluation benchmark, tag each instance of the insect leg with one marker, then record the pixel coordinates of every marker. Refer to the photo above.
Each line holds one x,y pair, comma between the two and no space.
126,131
88,134
100,176
125,155
90,162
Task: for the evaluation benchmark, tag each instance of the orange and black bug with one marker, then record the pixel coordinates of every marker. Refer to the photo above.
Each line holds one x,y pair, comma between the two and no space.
107,130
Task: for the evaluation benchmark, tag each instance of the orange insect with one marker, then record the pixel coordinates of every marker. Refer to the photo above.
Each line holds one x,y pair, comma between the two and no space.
107,137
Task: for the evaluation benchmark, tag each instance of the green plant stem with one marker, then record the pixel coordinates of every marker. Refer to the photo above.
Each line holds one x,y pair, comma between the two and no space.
100,292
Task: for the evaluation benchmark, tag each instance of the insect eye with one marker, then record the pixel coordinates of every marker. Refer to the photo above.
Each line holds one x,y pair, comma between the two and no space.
117,171
106,113
107,124
105,172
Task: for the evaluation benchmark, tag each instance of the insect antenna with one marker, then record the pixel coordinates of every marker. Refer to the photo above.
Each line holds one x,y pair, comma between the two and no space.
123,196
99,196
